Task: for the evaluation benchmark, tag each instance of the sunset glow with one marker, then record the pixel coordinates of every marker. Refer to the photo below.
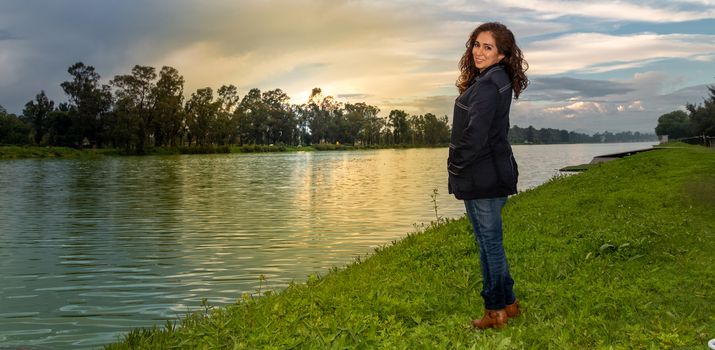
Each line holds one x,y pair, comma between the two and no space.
392,54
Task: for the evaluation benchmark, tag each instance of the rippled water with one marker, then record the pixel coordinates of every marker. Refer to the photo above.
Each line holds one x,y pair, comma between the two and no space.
92,248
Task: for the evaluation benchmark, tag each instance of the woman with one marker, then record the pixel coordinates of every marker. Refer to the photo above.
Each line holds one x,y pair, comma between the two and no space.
482,169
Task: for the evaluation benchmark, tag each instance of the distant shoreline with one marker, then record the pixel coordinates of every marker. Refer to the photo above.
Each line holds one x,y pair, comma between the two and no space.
27,152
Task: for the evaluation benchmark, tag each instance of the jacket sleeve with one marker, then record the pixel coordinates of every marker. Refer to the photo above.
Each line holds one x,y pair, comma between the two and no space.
482,111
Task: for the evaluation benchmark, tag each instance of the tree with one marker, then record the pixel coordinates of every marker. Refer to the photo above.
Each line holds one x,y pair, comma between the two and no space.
397,120
306,114
302,116
12,129
702,117
417,129
674,124
530,135
123,124
516,135
36,113
436,130
134,93
168,96
88,103
359,122
59,124
225,126
324,117
201,113
373,125
251,118
563,136
281,121
318,121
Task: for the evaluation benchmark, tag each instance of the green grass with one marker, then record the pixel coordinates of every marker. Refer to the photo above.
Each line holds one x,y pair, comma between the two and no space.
619,257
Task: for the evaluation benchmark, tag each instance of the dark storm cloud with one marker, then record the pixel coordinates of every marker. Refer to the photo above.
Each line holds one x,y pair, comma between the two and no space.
49,36
6,35
565,88
79,27
239,27
693,94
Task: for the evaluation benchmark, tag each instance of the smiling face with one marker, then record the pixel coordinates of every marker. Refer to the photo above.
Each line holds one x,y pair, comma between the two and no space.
485,52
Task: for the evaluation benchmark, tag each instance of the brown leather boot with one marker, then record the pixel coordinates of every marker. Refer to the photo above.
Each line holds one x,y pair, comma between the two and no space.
513,310
491,319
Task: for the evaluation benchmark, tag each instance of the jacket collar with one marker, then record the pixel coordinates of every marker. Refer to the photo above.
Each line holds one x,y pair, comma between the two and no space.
487,72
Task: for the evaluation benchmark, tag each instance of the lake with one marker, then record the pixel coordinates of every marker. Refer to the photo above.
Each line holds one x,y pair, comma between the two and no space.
92,248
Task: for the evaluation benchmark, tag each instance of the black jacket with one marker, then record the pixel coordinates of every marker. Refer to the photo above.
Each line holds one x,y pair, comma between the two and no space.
481,163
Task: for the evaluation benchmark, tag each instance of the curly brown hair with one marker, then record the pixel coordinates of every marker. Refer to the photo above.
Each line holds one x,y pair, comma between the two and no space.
514,62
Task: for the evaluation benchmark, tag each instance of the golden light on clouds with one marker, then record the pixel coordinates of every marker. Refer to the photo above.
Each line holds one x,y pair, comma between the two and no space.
344,48
395,54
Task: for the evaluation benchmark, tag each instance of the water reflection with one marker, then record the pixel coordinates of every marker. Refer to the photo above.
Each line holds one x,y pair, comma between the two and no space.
92,248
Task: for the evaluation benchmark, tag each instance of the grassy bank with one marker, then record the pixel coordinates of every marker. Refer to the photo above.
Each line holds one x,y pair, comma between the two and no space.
620,256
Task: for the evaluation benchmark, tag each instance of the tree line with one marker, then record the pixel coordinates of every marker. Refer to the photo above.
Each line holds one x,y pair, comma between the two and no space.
696,120
531,135
146,108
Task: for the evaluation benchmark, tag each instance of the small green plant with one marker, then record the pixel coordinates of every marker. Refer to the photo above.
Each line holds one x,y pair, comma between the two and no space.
434,195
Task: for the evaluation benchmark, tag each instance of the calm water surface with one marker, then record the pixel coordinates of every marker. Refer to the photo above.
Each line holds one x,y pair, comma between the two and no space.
92,248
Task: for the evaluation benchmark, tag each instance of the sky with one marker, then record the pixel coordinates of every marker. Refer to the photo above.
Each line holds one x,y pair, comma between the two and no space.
593,66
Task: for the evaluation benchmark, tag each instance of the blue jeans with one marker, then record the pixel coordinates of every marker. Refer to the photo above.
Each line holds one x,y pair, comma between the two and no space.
485,215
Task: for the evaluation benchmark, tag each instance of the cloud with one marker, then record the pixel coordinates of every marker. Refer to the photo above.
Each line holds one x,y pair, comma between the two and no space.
353,96
598,52
566,88
293,45
579,107
438,105
704,57
269,43
395,54
584,116
636,106
646,96
6,35
660,11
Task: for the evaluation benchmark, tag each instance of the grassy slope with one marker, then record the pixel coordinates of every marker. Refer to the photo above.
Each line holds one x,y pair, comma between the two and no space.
620,256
